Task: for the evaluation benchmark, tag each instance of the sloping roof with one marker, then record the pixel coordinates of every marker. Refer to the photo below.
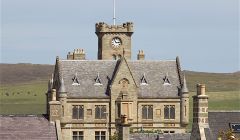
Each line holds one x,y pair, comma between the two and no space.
87,71
153,136
155,72
26,128
219,121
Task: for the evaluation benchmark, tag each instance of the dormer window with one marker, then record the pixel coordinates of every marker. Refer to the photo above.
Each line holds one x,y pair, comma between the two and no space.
166,81
75,80
98,80
143,80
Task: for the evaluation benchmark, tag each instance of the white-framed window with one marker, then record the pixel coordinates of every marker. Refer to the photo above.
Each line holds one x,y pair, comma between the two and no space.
77,135
100,135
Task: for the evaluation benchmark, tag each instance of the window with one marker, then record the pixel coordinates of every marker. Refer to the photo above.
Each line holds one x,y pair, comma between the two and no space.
100,135
75,81
100,112
118,110
77,135
78,112
124,108
143,80
98,80
147,112
166,81
235,127
169,112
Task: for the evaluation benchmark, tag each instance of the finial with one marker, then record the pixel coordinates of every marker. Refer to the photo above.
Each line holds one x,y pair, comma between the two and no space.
184,87
62,87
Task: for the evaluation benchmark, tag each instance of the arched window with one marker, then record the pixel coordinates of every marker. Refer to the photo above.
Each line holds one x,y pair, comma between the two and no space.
172,112
169,112
166,112
147,112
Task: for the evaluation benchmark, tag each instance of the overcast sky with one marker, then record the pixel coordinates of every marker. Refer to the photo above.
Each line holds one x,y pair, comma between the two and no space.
203,33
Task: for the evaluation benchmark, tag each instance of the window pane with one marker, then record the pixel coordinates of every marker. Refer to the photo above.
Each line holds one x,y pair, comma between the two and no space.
97,112
103,133
130,110
166,112
97,138
102,137
97,133
150,112
80,137
74,112
125,109
80,133
81,112
75,138
74,133
103,112
118,110
172,112
144,112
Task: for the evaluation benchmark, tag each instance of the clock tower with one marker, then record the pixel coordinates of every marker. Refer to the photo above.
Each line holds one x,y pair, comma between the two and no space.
114,41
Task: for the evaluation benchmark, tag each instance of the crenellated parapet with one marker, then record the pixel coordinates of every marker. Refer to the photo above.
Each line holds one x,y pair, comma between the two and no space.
103,27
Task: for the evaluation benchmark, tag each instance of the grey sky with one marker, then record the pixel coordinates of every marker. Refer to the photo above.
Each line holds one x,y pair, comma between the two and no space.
203,33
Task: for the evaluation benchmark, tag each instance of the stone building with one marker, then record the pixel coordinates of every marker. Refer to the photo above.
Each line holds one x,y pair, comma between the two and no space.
88,97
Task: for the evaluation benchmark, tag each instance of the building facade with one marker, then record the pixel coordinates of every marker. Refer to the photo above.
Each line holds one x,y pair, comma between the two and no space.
87,98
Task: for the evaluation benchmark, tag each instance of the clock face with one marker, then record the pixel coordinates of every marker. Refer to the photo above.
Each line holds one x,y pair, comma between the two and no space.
116,42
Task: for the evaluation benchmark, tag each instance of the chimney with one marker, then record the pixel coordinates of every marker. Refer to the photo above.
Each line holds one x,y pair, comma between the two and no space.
70,56
78,54
141,55
200,113
200,89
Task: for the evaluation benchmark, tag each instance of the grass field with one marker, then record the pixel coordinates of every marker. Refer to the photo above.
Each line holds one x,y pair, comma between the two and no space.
23,98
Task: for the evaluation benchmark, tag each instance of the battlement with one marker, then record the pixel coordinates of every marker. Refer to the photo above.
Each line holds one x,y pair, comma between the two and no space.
125,27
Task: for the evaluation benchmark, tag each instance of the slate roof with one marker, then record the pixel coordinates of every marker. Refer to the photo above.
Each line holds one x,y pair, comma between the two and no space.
87,71
26,128
219,120
151,136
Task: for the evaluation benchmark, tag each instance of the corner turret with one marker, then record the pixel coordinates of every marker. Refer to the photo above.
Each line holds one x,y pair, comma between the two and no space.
184,103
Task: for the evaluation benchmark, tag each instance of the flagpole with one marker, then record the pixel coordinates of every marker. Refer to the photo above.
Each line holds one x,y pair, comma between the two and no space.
114,12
